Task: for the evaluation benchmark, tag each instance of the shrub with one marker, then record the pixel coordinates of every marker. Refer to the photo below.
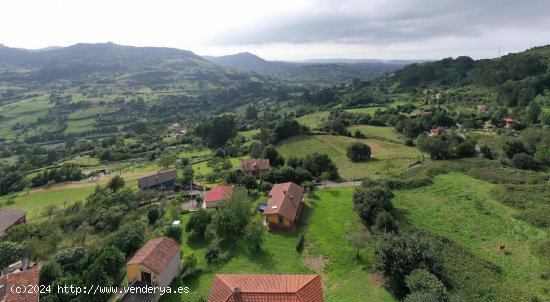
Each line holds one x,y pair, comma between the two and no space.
371,201
409,142
385,222
212,254
486,152
524,161
422,281
358,152
153,214
398,255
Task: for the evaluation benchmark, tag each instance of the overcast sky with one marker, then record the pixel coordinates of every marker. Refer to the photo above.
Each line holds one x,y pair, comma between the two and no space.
286,29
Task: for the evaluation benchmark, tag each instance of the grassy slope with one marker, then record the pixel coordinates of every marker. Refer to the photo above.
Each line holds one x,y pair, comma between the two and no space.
313,120
460,208
335,147
343,278
385,133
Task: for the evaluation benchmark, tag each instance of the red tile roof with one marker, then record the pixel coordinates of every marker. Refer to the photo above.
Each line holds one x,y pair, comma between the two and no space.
156,254
21,279
255,164
218,194
284,200
266,288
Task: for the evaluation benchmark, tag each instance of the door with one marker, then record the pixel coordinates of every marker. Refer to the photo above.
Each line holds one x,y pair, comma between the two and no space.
146,277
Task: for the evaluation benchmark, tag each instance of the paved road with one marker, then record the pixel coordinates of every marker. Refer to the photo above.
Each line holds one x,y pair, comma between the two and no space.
331,184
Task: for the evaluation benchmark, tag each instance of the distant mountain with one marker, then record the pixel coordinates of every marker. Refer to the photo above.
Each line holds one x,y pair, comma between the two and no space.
315,71
55,62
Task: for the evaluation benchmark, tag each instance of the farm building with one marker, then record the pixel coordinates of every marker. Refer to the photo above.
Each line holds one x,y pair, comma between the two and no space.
160,180
284,206
10,218
21,280
217,195
266,288
157,263
255,167
508,122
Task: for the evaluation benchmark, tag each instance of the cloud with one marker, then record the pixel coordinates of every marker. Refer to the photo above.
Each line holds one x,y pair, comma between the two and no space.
390,21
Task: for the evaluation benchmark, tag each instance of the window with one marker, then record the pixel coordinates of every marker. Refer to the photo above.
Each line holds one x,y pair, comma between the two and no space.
281,219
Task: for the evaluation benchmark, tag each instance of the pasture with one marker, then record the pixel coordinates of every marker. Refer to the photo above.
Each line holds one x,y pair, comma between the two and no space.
386,158
314,120
460,208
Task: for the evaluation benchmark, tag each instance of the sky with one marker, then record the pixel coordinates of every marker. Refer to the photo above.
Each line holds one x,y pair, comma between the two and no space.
286,29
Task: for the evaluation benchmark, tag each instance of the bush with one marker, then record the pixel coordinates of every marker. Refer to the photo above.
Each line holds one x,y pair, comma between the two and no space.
371,201
409,142
486,152
153,214
511,148
524,161
398,255
385,222
212,254
424,282
358,152
174,232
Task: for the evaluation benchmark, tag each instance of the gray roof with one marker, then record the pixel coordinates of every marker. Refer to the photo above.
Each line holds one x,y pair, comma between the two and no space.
158,178
8,217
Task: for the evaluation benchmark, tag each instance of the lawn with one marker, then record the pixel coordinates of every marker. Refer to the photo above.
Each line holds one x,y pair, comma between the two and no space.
386,156
344,278
460,208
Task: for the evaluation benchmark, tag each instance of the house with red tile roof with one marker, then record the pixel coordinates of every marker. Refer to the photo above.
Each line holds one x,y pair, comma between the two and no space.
284,206
255,167
10,218
217,195
20,280
266,288
508,122
157,263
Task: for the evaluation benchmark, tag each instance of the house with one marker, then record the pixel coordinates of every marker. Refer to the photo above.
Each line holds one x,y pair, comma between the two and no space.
266,288
10,218
508,122
20,280
284,206
255,167
217,195
160,180
157,263
481,108
438,96
437,131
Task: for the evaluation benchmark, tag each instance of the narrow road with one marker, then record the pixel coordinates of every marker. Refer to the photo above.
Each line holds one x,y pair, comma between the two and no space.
332,184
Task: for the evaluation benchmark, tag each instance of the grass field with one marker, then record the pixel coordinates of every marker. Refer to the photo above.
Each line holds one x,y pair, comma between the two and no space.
384,133
313,120
89,112
21,113
366,110
460,208
76,126
383,152
344,279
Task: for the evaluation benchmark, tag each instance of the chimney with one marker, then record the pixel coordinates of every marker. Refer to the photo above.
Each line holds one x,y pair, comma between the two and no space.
237,290
284,192
291,196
